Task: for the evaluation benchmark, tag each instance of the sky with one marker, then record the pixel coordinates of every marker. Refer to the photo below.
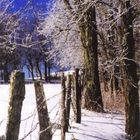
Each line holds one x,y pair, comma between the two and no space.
34,6
37,4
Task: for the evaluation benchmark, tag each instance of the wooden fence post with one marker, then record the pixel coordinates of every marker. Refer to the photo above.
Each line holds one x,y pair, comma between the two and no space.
77,88
63,108
68,100
43,116
17,93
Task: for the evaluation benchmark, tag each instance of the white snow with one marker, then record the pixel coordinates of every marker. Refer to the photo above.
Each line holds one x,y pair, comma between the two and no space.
94,126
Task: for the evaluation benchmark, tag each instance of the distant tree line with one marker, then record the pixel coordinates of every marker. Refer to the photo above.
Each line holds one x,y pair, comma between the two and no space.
21,45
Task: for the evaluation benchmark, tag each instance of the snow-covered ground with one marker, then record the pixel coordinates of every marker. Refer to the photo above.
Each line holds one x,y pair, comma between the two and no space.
94,126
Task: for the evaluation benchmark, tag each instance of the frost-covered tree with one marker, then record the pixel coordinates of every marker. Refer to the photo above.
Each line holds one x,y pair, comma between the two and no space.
125,41
72,25
8,25
66,50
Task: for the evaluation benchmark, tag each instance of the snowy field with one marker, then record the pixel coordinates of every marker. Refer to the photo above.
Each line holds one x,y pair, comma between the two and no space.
94,126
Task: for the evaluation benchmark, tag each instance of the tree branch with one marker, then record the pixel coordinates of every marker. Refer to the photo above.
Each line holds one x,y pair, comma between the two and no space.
67,4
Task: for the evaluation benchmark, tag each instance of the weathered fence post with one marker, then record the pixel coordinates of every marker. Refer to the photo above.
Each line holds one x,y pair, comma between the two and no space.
77,97
63,108
44,121
17,93
68,100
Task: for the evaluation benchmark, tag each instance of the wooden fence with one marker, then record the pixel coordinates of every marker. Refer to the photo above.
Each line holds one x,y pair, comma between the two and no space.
70,99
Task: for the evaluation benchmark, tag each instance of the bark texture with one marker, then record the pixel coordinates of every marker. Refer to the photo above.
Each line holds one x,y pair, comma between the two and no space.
92,98
63,108
43,115
17,93
131,95
68,101
92,92
77,96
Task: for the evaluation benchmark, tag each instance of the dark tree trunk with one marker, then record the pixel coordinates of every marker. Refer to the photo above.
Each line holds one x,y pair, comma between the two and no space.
117,72
39,70
32,73
131,95
31,68
29,74
77,88
68,100
43,115
63,108
49,72
17,93
46,71
92,92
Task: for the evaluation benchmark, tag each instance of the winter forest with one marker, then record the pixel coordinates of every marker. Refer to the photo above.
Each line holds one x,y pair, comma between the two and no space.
70,69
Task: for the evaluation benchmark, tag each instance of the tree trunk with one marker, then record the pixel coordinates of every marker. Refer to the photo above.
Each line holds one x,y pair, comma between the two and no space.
92,92
63,108
39,70
29,75
77,96
17,93
131,95
44,121
46,71
32,73
49,72
87,24
31,68
68,101
117,73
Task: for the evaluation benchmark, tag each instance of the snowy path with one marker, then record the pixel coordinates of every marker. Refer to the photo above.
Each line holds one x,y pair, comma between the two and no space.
94,126
97,126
